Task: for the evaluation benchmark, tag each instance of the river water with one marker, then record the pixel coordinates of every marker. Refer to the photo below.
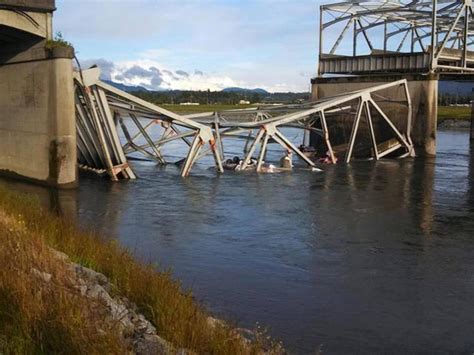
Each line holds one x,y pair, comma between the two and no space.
374,257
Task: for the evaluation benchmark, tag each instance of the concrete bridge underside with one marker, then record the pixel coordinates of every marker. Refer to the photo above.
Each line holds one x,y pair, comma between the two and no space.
37,122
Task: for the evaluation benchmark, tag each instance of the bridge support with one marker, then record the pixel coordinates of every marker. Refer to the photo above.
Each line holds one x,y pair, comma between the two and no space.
37,126
424,96
37,113
472,120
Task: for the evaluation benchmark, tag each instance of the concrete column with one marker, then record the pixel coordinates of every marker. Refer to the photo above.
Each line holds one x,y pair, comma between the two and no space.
472,121
427,117
37,121
63,150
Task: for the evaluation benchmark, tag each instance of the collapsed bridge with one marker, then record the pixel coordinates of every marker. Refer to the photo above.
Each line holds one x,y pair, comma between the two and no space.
104,114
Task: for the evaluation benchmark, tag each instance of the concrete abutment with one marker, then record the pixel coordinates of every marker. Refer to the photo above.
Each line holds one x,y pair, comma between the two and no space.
37,110
37,126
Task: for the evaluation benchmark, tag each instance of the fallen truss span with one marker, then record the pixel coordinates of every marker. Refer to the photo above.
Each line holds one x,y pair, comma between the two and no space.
100,108
323,118
103,111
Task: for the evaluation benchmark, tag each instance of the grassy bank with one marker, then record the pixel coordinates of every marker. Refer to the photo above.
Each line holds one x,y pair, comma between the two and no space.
453,113
39,319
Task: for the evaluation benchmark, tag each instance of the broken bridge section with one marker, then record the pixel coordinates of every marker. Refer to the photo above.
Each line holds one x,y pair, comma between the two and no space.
102,111
112,124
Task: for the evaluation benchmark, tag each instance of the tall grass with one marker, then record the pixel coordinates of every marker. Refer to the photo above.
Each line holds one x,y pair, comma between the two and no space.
43,317
173,310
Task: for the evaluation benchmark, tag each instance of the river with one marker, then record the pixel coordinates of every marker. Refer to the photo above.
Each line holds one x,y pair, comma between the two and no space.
374,257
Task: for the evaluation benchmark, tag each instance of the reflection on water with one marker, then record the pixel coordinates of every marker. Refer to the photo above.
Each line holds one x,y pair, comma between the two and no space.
370,257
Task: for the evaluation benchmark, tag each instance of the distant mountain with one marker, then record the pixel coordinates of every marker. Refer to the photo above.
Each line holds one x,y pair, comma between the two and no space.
456,87
242,90
126,88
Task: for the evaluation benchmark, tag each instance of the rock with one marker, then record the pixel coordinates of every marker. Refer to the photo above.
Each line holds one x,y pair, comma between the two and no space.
214,322
118,311
41,275
92,276
82,289
59,255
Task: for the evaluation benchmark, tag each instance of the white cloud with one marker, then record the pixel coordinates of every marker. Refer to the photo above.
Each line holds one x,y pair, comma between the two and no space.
155,76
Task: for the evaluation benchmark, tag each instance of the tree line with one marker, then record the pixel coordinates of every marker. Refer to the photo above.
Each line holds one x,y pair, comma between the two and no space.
219,97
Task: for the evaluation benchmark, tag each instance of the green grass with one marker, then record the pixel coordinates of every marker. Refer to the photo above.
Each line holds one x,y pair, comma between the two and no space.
204,108
454,113
35,319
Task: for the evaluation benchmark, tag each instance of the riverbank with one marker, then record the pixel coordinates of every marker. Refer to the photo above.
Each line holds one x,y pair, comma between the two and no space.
450,117
62,289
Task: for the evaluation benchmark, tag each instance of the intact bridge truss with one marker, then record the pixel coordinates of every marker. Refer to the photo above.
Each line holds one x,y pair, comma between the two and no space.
426,36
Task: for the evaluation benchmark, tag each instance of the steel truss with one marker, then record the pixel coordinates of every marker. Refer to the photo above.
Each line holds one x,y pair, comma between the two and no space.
441,28
100,108
317,114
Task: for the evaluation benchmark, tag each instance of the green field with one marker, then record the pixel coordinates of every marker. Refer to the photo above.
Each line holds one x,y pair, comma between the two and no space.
454,113
203,108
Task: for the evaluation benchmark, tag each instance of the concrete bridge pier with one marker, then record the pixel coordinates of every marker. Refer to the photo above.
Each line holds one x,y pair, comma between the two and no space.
472,121
424,96
37,113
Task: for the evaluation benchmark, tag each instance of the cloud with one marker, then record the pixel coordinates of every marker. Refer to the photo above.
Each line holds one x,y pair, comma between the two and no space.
260,43
153,76
106,67
182,73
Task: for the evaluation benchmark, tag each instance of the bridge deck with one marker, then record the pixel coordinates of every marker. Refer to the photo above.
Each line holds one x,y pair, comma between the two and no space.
380,62
376,63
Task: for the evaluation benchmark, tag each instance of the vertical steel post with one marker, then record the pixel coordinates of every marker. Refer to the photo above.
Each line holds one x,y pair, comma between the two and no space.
434,37
321,34
466,36
354,41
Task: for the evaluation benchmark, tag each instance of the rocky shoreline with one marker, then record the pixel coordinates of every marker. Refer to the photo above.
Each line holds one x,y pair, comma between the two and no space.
119,312
122,314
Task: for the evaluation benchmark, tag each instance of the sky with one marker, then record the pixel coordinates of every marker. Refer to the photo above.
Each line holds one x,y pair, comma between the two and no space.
196,44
